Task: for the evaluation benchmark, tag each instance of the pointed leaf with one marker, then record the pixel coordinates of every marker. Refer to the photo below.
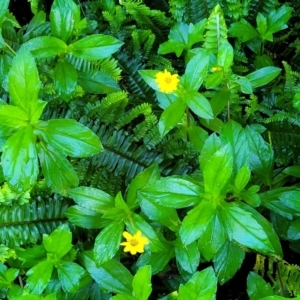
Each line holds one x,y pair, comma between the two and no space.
199,105
142,283
95,47
19,160
107,242
69,137
257,287
13,116
263,76
23,80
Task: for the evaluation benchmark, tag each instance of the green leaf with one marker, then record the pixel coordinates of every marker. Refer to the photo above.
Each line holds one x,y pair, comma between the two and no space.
19,160
213,238
173,192
242,227
250,197
294,230
83,217
148,175
199,105
39,276
23,81
142,283
170,47
95,47
188,256
263,76
92,198
65,79
242,178
58,242
69,275
69,137
197,136
202,285
219,101
261,156
217,171
3,9
257,287
262,28
13,116
46,46
196,71
243,30
58,171
228,260
157,260
244,83
99,83
107,242
171,116
166,216
233,133
225,55
194,224
277,19
37,108
215,79
63,15
111,276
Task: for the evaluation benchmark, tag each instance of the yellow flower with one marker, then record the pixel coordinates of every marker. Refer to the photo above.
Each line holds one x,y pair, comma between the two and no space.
134,243
214,69
167,83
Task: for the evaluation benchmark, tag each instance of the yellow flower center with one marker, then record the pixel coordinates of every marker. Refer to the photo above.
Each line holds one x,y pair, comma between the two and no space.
134,242
166,82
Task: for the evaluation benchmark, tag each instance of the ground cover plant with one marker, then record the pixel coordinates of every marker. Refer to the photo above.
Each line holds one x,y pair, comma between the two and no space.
149,150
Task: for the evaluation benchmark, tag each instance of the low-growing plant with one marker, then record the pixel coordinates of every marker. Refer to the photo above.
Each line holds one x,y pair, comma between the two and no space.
149,150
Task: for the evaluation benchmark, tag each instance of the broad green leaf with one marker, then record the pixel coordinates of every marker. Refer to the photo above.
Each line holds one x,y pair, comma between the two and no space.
197,136
228,260
217,171
157,260
13,116
257,287
219,101
69,137
142,283
99,83
91,198
261,156
233,133
225,55
166,216
202,285
262,28
149,77
58,242
95,47
199,105
111,276
213,238
294,230
46,46
148,175
263,76
37,108
284,201
171,116
63,16
19,160
65,79
3,9
293,171
195,222
188,256
196,71
215,79
23,80
244,83
243,30
277,19
242,227
250,197
83,217
211,146
171,47
107,242
31,256
69,275
39,276
173,192
242,178
58,171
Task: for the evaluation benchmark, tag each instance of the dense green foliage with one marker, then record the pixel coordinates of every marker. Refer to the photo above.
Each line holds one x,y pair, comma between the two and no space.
92,147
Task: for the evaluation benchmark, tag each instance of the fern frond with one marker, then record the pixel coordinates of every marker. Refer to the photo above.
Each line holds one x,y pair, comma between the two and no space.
262,6
216,32
26,224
